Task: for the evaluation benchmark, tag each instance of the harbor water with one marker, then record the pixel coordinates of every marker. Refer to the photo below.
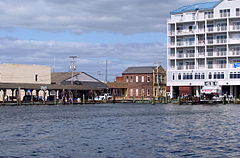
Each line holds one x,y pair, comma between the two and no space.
120,131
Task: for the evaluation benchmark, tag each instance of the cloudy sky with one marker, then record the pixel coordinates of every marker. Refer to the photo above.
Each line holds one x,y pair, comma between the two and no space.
123,32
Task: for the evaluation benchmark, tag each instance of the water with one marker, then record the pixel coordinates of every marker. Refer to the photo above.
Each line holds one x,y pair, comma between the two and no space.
120,131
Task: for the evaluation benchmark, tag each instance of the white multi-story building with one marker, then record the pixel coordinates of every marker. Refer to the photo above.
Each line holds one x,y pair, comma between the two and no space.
204,45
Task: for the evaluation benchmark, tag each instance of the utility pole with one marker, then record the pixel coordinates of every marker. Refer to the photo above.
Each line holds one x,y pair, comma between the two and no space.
72,66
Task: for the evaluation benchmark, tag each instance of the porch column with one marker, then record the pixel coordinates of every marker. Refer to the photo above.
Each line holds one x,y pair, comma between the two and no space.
231,90
171,91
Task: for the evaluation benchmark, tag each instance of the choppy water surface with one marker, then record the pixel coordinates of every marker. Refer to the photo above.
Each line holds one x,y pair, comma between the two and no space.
120,130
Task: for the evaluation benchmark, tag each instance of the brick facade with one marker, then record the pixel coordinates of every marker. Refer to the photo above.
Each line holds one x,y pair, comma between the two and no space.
139,85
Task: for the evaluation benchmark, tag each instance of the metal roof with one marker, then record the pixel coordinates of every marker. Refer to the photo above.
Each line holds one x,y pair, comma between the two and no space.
139,70
197,6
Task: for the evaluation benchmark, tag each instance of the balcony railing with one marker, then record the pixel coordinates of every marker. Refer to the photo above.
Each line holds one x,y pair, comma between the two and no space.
237,53
189,67
182,32
188,43
234,27
190,55
201,42
180,67
218,41
201,54
217,54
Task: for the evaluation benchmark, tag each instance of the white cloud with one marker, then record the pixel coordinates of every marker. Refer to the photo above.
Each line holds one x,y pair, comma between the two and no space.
91,57
79,16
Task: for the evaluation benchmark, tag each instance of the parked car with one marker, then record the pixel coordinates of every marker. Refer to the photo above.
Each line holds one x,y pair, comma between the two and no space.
105,96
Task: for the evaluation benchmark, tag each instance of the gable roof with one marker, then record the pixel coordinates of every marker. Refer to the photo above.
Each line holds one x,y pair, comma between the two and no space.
139,70
197,6
64,78
57,77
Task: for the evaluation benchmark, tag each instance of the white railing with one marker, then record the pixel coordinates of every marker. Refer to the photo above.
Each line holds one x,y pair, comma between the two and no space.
218,41
188,43
234,53
217,54
234,27
183,32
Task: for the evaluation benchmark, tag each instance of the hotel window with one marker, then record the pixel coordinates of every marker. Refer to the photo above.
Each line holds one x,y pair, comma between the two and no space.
136,92
238,12
179,76
127,79
210,75
224,13
142,78
203,76
234,75
36,78
136,78
148,78
208,15
197,76
148,92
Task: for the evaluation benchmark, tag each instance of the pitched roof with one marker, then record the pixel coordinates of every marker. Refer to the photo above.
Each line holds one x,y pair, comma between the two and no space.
139,70
197,6
57,77
65,77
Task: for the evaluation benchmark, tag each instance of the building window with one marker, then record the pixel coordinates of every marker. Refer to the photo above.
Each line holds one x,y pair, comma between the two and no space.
208,15
173,77
131,79
127,79
148,78
225,13
136,78
131,92
36,77
148,92
234,75
142,92
136,92
142,78
210,75
238,12
179,76
203,76
197,76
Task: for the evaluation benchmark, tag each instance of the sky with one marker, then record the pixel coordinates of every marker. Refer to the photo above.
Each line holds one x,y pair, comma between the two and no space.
122,32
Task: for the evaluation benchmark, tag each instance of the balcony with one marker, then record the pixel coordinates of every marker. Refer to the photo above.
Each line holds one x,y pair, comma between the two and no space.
186,44
218,41
180,55
185,32
180,67
234,27
201,67
189,67
172,33
201,54
234,53
217,54
220,66
216,66
201,42
217,29
190,55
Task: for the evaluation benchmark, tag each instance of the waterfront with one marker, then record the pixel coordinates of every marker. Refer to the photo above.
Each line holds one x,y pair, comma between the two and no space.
120,130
